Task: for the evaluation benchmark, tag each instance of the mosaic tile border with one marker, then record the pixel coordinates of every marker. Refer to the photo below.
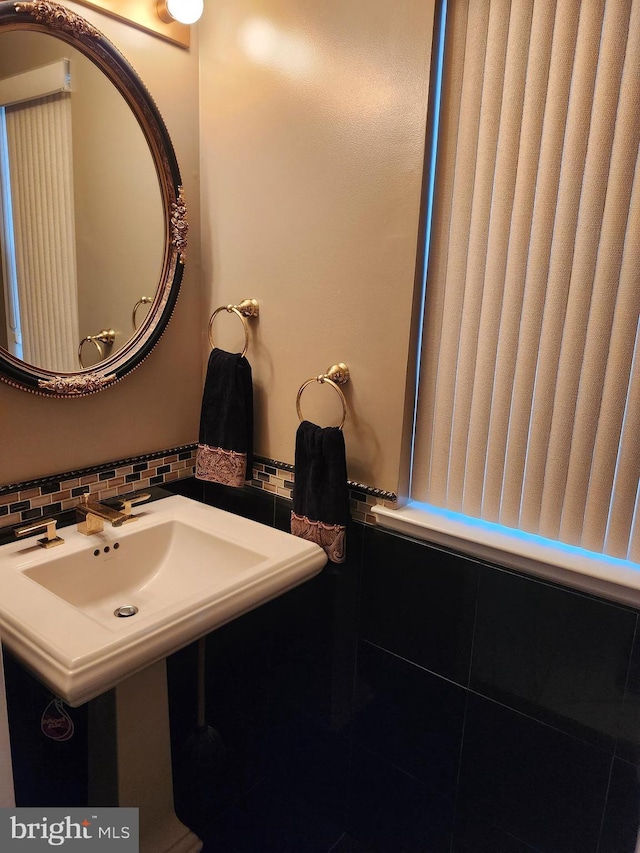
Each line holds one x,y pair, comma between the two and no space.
22,502
277,477
51,495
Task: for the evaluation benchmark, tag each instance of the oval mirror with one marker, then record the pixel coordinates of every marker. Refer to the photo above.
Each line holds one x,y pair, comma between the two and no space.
93,224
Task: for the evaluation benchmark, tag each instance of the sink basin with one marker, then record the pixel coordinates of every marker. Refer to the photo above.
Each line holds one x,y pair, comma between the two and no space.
154,568
182,569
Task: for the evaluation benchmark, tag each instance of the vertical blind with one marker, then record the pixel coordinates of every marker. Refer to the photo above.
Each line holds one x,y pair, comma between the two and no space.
528,411
41,169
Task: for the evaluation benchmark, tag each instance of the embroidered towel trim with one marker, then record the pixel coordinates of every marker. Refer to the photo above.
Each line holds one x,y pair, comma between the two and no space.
221,466
330,537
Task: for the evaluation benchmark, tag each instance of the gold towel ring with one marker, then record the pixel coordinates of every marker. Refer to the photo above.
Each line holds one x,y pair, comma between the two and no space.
247,308
336,375
144,300
106,336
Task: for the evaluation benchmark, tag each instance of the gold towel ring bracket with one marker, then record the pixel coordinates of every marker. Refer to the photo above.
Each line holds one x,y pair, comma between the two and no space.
106,336
247,308
144,300
336,375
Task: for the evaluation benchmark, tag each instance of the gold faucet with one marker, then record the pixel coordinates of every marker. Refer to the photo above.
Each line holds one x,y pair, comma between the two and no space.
92,515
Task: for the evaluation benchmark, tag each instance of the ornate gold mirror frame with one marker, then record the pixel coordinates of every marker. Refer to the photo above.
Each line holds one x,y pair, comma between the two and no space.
56,20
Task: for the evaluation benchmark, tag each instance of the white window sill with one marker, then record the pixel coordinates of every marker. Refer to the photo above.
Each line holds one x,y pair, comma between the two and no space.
608,577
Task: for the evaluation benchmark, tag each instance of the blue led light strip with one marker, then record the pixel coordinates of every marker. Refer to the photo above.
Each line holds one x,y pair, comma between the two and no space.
513,533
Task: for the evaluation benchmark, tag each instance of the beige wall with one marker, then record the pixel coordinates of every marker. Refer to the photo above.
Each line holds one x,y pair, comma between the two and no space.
156,406
312,120
3,316
117,196
312,138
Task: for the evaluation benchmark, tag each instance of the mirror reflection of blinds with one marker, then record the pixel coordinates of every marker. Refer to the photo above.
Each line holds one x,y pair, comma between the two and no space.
529,390
13,331
39,171
18,88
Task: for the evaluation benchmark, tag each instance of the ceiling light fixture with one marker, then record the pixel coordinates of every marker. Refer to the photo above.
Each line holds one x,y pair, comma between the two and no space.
184,11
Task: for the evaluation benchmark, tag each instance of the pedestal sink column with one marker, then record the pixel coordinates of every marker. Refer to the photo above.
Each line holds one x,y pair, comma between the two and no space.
130,759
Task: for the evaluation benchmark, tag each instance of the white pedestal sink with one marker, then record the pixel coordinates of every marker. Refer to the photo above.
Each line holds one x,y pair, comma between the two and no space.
130,759
183,569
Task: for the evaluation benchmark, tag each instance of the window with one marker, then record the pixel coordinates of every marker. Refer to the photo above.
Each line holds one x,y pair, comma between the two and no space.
528,403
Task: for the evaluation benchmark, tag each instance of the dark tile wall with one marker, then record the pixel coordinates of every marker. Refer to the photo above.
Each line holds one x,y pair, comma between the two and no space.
417,700
548,733
46,771
409,700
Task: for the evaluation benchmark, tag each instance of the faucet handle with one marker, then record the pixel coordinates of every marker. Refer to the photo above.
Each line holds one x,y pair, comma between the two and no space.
50,540
126,503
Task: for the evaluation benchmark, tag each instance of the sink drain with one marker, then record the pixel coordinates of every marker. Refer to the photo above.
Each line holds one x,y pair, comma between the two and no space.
125,610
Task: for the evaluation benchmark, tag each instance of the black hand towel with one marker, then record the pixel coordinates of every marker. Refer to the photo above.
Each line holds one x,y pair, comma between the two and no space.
320,490
225,448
